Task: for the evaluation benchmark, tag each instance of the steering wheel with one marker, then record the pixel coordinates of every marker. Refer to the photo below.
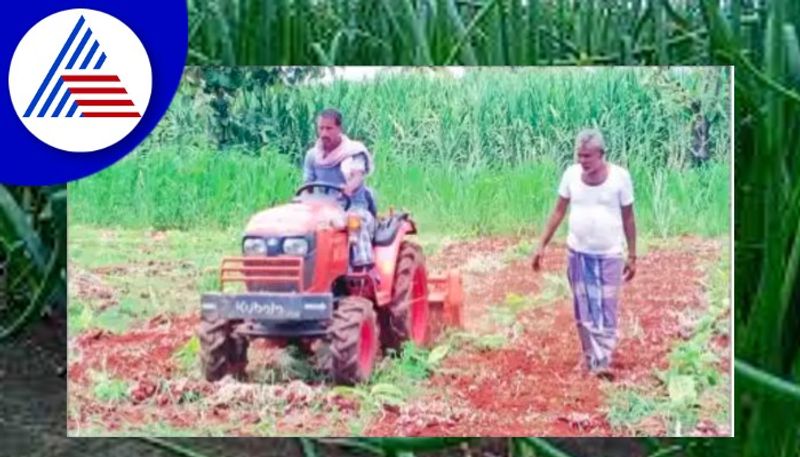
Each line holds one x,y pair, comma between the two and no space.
323,185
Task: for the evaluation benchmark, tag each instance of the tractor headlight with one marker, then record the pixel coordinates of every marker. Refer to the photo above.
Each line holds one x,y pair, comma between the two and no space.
254,246
295,246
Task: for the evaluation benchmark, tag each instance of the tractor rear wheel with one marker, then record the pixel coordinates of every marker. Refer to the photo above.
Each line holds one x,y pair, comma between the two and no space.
406,316
353,341
221,352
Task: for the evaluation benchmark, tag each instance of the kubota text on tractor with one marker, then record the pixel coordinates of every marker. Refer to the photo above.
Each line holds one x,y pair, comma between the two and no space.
296,286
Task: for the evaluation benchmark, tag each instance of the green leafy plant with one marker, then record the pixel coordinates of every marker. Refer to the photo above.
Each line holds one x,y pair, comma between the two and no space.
108,389
470,32
33,248
187,355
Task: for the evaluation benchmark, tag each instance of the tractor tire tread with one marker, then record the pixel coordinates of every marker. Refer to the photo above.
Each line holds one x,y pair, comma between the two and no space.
394,318
221,352
344,339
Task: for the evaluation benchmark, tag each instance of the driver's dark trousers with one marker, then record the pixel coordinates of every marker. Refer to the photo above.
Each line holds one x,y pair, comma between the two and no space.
362,254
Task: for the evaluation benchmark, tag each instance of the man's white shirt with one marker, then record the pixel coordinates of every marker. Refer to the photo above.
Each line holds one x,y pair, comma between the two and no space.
595,214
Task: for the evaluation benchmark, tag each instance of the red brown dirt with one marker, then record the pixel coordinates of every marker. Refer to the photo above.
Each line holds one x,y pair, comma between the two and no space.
143,358
536,387
144,352
531,387
158,387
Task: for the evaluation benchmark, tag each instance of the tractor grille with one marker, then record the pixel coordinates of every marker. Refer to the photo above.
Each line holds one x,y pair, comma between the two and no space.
264,274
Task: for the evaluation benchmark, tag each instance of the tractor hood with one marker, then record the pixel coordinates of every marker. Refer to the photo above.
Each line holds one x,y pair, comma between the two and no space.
297,219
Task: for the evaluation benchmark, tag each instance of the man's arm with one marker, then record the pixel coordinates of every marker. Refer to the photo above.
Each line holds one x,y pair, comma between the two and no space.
552,225
308,169
354,181
354,169
629,225
555,220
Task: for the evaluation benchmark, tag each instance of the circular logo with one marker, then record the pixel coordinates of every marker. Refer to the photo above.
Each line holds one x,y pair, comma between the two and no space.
80,80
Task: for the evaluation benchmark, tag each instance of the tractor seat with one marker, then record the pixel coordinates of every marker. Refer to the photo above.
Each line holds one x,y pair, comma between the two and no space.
387,228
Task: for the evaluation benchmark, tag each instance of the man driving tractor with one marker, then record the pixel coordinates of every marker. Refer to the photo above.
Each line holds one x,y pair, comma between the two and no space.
327,276
337,160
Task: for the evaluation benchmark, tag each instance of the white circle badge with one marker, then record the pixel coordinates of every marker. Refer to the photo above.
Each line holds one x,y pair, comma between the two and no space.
80,80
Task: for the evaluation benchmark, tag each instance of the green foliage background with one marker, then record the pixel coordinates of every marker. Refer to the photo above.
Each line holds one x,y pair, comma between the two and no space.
33,254
758,37
474,155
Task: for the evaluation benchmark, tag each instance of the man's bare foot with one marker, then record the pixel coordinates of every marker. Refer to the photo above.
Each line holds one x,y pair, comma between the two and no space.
604,373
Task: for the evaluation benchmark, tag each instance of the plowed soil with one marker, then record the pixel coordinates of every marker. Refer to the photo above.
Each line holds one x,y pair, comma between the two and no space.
533,386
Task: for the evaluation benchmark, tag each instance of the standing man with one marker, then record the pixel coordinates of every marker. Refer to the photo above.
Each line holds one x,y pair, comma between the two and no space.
337,160
600,196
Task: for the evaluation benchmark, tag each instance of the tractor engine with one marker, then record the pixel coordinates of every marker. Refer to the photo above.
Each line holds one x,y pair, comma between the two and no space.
295,286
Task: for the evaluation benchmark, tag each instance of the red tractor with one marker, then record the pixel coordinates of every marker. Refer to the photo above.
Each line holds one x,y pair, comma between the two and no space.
296,286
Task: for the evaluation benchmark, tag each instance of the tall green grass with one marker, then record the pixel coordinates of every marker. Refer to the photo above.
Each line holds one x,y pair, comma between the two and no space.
489,117
424,32
767,224
201,188
478,155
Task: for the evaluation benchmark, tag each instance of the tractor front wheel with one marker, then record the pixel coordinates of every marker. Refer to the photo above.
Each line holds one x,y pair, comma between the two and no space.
406,317
354,341
221,352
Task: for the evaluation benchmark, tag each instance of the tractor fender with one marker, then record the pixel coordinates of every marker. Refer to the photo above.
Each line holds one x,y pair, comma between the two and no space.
386,261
